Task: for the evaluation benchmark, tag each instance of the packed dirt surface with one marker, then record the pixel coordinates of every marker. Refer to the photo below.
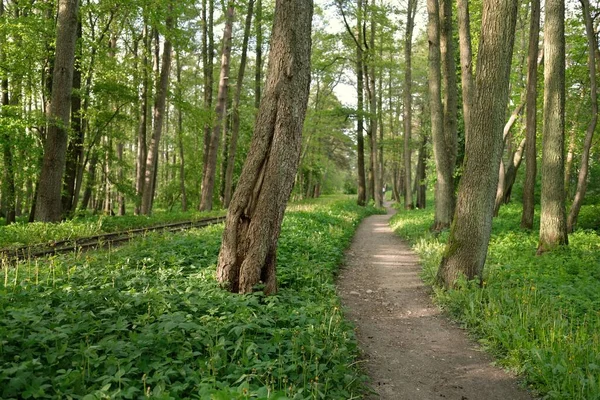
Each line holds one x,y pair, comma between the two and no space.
410,350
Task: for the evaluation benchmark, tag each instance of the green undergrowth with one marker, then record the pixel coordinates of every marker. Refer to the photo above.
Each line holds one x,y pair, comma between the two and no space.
149,320
24,234
540,315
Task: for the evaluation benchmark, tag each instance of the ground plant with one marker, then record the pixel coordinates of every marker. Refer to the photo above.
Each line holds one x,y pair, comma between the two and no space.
538,314
149,320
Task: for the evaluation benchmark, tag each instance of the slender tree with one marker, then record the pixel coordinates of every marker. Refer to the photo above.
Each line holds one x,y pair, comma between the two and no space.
410,22
248,251
553,220
48,205
466,250
466,62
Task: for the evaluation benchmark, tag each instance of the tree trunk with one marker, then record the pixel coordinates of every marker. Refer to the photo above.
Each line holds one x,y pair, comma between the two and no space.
142,149
159,111
48,205
208,181
259,60
75,146
511,171
208,55
443,201
410,16
421,174
236,110
184,205
360,141
248,251
466,250
466,62
585,155
531,119
377,195
91,179
553,219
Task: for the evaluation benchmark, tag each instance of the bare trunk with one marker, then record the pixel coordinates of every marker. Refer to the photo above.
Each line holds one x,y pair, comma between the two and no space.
466,250
159,111
143,124
531,118
410,15
236,110
248,251
208,50
421,175
180,143
259,60
585,155
48,205
553,219
466,62
208,180
377,195
360,143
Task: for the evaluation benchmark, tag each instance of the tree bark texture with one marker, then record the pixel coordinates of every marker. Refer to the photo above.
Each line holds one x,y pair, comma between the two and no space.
587,145
443,199
48,205
208,180
159,113
248,250
531,118
466,61
235,129
410,17
466,250
553,219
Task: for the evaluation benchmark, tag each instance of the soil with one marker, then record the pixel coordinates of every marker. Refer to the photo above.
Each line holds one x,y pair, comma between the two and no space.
410,349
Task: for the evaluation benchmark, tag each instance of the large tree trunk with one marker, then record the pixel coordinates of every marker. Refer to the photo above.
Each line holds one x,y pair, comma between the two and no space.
208,180
531,118
235,129
587,145
75,147
443,196
48,205
553,219
142,149
466,62
410,16
248,251
360,141
466,250
159,112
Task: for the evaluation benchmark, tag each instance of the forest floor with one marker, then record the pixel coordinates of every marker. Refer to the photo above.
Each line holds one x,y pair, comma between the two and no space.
411,350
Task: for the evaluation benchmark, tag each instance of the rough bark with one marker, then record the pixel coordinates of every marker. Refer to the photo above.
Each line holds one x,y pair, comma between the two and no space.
466,61
587,145
410,17
208,180
48,205
235,129
248,251
466,250
531,118
159,112
553,219
444,184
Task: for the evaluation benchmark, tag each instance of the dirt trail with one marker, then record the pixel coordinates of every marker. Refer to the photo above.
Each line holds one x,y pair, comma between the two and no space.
410,350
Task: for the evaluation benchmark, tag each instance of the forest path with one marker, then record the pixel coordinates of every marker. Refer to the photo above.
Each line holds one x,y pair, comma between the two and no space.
410,350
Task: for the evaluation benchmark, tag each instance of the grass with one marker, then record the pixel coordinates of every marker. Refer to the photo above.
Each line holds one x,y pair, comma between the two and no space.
24,234
149,320
538,314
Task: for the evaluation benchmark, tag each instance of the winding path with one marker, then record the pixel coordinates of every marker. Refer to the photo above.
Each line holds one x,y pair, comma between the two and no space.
410,350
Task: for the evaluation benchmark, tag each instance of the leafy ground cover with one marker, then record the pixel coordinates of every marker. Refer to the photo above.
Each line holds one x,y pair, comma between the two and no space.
23,233
149,319
539,314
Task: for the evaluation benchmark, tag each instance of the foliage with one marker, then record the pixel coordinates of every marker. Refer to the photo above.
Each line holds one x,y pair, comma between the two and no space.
149,319
538,314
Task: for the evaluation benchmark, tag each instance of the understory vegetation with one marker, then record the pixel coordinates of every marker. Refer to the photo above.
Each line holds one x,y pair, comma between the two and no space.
149,319
538,314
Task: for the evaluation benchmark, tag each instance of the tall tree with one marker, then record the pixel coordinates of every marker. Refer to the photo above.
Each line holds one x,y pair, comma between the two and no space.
587,145
410,23
235,129
184,204
142,148
258,21
160,101
372,131
48,205
531,118
208,180
553,220
248,251
208,50
466,250
466,61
